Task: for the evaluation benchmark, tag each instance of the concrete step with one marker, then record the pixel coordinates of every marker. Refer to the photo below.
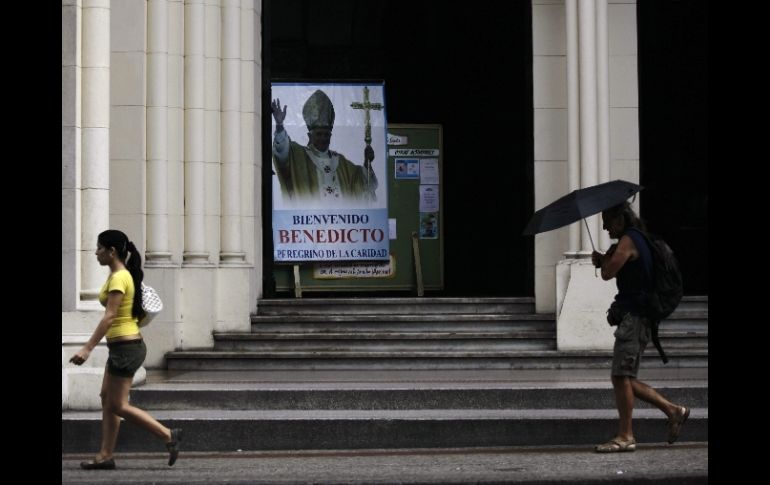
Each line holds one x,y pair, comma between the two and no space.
420,306
404,321
222,430
228,396
444,359
387,334
384,338
697,302
403,347
406,342
687,320
701,326
676,324
389,306
411,327
683,340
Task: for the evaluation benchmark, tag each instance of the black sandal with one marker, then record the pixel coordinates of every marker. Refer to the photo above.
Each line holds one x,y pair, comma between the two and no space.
108,464
173,445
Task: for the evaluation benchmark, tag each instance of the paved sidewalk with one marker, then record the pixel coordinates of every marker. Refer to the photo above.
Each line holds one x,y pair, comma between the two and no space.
681,464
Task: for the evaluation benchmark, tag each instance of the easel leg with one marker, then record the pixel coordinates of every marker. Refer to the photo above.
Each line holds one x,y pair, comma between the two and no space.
417,264
297,286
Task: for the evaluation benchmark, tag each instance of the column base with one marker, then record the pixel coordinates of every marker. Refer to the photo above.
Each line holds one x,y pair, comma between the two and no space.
160,257
195,258
581,323
89,295
234,299
233,258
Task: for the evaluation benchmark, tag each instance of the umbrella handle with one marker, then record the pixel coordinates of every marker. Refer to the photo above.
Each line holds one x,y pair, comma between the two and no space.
592,243
589,235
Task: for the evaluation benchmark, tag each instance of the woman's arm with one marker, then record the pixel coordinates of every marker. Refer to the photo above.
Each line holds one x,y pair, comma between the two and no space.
114,299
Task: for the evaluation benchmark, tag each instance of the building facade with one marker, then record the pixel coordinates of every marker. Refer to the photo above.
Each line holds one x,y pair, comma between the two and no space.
162,138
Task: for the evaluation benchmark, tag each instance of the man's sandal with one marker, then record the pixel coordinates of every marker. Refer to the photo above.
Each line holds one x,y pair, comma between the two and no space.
675,423
616,445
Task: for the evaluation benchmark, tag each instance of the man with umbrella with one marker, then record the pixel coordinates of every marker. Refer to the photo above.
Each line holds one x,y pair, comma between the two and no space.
623,261
626,261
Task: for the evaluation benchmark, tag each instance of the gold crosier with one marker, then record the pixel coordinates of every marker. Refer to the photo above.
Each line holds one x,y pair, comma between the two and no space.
367,107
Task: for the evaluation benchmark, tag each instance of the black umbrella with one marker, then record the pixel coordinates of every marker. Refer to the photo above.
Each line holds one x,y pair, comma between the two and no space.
580,204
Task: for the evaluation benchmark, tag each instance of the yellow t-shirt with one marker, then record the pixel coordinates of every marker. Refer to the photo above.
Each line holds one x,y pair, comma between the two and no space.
124,323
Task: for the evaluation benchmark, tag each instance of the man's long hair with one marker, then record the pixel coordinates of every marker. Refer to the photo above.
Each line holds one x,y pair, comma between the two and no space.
630,219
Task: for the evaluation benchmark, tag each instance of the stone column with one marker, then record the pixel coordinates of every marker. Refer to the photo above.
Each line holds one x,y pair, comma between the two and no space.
563,267
198,274
71,75
248,129
158,252
233,276
194,133
231,251
588,138
201,174
251,180
175,169
95,182
573,118
258,147
582,297
602,106
212,117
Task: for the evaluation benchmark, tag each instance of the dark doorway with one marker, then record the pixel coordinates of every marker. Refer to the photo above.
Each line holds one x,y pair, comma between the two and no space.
673,130
468,69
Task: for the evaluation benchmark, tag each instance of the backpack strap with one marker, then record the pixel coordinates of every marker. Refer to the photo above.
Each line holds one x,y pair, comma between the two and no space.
638,235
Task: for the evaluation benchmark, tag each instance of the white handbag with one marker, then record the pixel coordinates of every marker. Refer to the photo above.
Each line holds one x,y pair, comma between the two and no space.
151,304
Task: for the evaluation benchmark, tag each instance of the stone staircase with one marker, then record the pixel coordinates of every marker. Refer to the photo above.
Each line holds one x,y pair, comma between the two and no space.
687,327
423,333
405,373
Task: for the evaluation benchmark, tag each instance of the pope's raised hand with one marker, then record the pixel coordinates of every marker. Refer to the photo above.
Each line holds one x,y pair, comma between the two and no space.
278,114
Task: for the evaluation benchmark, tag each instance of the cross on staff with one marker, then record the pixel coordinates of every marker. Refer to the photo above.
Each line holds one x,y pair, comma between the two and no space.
367,107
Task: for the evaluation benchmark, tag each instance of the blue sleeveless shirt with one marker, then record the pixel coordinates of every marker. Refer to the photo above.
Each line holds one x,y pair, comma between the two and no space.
635,277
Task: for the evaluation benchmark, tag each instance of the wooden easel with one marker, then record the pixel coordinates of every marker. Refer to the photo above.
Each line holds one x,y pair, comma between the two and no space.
297,285
417,264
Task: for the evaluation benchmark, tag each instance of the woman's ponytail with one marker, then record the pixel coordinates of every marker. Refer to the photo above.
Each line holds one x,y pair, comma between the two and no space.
134,266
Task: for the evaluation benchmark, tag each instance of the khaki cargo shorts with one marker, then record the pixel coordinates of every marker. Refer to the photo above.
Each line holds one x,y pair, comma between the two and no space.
631,337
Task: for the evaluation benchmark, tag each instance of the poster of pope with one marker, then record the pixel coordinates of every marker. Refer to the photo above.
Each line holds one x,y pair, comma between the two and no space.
329,162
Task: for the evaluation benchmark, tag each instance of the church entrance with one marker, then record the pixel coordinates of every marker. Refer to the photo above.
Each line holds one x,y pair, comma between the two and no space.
441,65
673,131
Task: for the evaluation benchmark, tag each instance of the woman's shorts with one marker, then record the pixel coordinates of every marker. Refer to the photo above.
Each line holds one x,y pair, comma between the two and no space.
126,357
631,337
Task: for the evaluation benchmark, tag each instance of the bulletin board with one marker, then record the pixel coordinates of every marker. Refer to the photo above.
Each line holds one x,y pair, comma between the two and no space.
415,204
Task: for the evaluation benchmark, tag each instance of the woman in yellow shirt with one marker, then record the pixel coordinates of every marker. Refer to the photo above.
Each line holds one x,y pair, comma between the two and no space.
127,351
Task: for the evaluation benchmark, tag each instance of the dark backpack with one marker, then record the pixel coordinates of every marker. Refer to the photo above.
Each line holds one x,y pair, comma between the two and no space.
666,290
